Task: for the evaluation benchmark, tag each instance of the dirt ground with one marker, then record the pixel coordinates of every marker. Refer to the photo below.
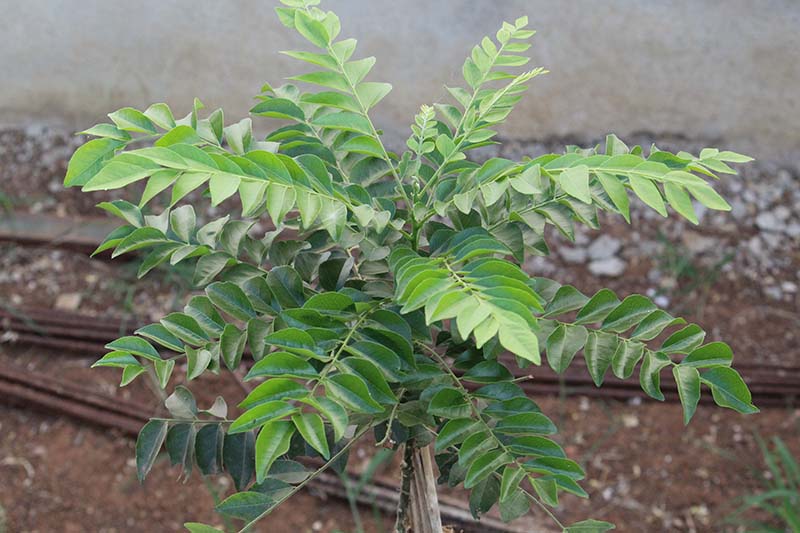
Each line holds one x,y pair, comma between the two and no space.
645,471
736,277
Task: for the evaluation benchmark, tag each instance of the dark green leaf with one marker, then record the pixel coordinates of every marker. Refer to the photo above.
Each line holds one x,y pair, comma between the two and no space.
149,442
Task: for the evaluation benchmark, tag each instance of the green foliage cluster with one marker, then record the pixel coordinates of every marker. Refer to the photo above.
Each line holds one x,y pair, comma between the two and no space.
389,288
779,500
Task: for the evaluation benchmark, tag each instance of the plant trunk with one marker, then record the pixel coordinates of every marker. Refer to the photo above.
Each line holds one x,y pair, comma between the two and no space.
418,511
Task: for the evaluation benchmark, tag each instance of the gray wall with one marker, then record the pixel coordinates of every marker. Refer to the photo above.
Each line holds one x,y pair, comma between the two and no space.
727,71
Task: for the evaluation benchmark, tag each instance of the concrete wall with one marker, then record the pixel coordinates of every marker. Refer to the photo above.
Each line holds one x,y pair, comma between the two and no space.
727,71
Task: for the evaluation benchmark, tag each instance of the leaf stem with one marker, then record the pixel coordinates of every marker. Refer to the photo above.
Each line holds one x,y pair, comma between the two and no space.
303,483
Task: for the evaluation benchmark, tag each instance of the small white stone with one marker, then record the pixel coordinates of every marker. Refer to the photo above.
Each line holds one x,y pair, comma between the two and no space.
611,266
572,255
782,212
697,243
68,301
789,286
661,301
773,292
768,221
793,230
604,247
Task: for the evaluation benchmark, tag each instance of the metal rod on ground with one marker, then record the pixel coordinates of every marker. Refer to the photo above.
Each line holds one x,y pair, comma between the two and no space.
771,385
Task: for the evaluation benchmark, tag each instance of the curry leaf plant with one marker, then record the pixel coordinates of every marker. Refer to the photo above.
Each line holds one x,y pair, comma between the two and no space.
387,295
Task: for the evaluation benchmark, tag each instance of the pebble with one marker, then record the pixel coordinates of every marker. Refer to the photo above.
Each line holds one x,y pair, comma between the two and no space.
68,301
611,267
697,243
604,247
793,230
773,292
575,256
789,286
769,221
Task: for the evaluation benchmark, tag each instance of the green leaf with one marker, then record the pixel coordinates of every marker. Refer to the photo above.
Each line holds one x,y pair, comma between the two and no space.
650,373
351,391
107,130
688,380
599,352
684,340
454,432
136,346
626,357
272,442
484,496
274,389
124,210
516,335
130,119
198,361
161,116
196,527
728,389
282,364
280,200
712,354
117,359
88,159
589,526
680,202
261,414
598,307
179,135
159,334
363,144
575,182
311,29
185,328
180,446
648,193
312,429
485,466
139,238
370,93
332,80
230,298
567,298
512,476
149,442
653,324
450,403
186,183
208,449
487,372
562,345
535,446
526,424
344,120
296,341
231,346
629,313
617,192
245,505
279,108
238,455
181,403
163,371
120,172
332,411
514,506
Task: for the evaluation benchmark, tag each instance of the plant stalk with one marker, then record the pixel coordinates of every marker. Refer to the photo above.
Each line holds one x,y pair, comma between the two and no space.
418,510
